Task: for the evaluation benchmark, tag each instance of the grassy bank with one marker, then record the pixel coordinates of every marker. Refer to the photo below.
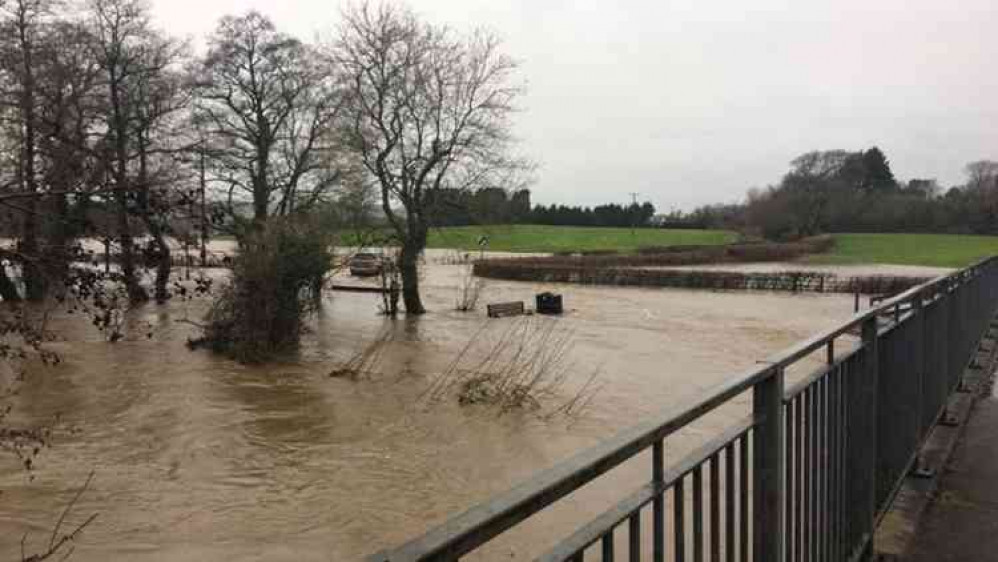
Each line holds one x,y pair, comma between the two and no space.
937,250
535,238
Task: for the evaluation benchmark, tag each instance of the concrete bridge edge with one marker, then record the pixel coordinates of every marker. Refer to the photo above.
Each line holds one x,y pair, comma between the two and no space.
896,533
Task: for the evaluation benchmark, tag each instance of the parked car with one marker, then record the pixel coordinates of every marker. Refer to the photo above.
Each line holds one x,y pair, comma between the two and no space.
366,265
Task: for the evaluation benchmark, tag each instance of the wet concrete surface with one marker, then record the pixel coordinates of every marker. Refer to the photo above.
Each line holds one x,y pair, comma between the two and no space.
962,523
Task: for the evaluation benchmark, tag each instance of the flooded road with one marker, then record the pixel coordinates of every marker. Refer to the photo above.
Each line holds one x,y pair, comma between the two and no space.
197,457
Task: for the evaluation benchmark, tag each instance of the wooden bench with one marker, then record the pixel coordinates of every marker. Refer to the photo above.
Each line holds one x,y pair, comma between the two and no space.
500,309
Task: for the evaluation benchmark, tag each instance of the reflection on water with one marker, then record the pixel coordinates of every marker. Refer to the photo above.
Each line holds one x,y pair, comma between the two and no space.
198,457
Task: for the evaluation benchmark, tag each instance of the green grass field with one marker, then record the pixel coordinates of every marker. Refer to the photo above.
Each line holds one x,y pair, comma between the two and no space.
534,238
938,250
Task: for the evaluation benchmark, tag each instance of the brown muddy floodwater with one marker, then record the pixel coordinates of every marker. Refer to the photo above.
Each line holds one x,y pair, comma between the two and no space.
200,458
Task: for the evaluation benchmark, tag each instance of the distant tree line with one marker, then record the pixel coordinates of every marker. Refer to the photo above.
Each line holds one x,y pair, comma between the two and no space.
490,205
460,207
610,214
844,191
713,216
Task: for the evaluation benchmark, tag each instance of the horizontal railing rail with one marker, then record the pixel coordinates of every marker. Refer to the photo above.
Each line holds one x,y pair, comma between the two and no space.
805,477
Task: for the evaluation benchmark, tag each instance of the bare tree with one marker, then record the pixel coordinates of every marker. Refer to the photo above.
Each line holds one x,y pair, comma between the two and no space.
267,108
67,94
982,174
156,100
424,108
119,29
47,79
21,29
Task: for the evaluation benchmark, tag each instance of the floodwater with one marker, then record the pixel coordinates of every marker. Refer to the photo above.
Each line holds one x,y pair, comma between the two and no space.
197,457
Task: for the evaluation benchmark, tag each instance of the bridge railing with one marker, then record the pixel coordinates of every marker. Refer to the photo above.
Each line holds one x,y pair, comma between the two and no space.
806,476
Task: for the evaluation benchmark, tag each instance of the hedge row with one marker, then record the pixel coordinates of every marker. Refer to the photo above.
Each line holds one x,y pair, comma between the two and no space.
794,281
688,255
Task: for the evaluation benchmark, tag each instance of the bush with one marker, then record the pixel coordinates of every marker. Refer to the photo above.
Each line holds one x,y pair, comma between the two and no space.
523,366
275,285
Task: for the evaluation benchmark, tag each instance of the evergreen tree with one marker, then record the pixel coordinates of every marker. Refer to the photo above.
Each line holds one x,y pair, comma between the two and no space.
877,174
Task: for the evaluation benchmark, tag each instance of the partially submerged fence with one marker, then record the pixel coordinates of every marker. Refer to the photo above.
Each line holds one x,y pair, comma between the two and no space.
524,269
805,477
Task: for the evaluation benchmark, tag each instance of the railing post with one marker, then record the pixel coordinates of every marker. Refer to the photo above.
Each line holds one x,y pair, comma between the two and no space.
919,360
952,335
868,434
658,503
768,469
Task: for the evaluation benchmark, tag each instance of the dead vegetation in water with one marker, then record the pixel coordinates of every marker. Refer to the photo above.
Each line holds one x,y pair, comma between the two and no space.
365,361
60,542
524,367
469,290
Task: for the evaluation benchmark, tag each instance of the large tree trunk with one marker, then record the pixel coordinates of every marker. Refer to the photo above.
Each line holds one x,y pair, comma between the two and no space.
160,292
136,293
119,128
409,267
62,228
34,278
60,232
163,264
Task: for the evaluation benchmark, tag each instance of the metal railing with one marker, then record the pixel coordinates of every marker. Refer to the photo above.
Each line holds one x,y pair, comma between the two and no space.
805,477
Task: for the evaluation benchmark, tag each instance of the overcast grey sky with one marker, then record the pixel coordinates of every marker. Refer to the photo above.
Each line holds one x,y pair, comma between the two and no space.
694,101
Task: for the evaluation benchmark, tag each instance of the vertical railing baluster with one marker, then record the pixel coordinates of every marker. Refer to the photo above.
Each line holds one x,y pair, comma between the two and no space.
833,456
715,508
608,546
658,503
825,471
679,520
815,472
729,502
799,478
806,528
840,452
743,493
846,445
844,457
634,537
697,513
788,482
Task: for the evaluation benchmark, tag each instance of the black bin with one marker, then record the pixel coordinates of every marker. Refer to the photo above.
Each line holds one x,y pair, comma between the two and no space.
549,303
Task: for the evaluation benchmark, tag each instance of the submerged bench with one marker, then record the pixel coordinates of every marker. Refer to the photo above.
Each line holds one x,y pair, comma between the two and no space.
500,309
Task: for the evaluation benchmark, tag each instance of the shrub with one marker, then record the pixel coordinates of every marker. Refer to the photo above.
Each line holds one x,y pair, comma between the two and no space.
469,290
275,284
524,366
